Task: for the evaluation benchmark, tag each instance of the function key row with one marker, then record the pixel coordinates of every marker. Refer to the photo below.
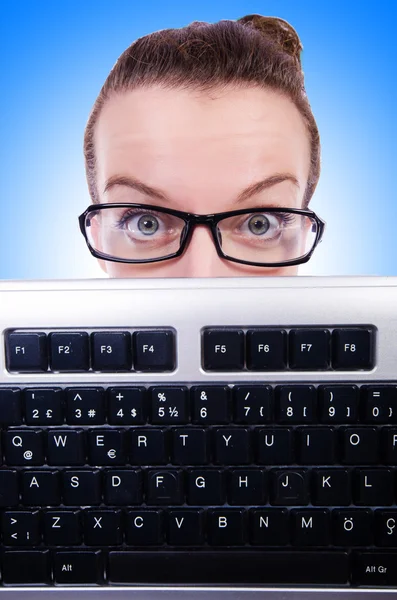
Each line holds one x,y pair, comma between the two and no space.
278,349
202,405
77,351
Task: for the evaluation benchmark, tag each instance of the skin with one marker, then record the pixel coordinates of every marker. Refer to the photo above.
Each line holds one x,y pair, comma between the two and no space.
201,151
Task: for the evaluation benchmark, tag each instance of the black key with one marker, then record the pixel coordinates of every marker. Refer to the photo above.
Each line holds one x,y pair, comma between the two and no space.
253,404
41,488
339,403
331,487
81,488
165,487
226,527
360,445
123,487
106,447
26,567
274,446
316,446
102,528
211,405
26,352
185,527
352,527
69,351
247,487
267,350
85,406
78,567
240,567
9,495
311,527
62,528
378,404
374,569
309,349
111,351
269,527
22,447
352,348
373,487
288,487
65,447
296,404
21,528
10,406
148,447
232,446
154,350
223,350
206,487
169,405
43,406
189,446
144,528
386,528
389,445
127,406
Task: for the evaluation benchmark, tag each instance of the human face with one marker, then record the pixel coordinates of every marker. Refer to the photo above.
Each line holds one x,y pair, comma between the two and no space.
201,151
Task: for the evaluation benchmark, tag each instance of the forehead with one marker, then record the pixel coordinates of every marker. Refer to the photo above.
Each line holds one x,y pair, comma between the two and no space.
228,139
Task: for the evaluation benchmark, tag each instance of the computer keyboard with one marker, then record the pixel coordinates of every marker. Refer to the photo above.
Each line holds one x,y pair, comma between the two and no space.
199,437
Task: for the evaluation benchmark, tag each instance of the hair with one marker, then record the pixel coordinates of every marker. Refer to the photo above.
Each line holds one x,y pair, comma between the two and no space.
252,51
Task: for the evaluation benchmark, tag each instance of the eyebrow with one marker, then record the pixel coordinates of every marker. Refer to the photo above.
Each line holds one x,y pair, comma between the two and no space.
255,188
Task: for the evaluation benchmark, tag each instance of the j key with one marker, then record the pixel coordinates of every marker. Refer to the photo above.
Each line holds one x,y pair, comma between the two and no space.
206,487
85,406
296,404
247,486
23,447
78,567
352,527
379,404
211,405
10,406
148,447
360,445
145,527
339,403
311,527
373,487
62,528
331,487
127,406
123,487
185,527
385,528
21,528
43,406
9,495
164,487
41,488
169,405
274,446
226,527
103,528
316,446
288,487
26,567
269,527
81,488
232,446
189,446
106,447
65,447
252,404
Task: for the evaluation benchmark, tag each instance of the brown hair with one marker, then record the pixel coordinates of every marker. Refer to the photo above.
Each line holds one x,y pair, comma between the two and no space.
253,50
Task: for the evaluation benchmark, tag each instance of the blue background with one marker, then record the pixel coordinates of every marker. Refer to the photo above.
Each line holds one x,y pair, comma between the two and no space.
56,55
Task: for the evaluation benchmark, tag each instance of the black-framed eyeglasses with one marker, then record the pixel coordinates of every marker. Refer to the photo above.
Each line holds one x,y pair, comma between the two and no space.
145,233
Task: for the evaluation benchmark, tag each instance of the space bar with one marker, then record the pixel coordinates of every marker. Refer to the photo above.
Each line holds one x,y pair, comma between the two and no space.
233,567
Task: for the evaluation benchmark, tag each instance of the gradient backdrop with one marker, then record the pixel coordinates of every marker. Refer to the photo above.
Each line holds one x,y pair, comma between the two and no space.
56,55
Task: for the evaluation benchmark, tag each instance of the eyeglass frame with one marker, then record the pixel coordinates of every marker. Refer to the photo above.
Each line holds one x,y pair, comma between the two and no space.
211,221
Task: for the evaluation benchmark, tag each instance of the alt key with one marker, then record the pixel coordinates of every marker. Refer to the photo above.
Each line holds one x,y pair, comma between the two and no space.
78,567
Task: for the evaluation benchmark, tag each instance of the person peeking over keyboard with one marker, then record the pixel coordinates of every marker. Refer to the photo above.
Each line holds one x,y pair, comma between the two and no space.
202,155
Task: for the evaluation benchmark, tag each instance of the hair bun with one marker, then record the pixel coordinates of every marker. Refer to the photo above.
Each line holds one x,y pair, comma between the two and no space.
279,31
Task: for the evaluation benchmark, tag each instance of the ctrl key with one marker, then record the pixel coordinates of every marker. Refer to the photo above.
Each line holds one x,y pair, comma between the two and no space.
26,567
78,567
375,569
